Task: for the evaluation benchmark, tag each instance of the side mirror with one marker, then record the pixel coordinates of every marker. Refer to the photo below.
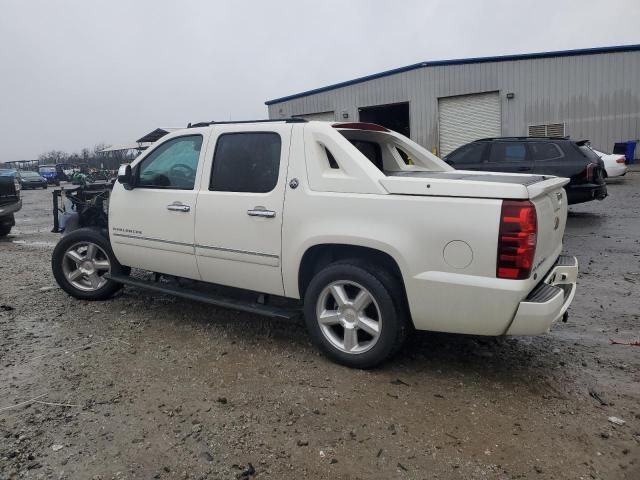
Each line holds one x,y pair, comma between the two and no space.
125,177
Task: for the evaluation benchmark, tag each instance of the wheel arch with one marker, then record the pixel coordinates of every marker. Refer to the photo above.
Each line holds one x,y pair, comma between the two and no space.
89,235
318,256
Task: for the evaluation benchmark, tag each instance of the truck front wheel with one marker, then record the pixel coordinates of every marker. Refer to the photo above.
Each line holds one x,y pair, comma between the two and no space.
80,261
354,314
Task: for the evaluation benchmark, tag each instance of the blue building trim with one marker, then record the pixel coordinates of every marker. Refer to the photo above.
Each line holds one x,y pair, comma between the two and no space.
462,61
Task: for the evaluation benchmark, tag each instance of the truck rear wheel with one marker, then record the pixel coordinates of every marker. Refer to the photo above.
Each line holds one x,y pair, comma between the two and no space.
354,314
80,261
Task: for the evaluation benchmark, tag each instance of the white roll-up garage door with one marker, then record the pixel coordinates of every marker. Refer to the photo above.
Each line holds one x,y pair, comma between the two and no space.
465,118
324,116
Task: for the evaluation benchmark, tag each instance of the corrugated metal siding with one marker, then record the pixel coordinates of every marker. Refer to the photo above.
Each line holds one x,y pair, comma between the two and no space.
596,96
465,118
324,116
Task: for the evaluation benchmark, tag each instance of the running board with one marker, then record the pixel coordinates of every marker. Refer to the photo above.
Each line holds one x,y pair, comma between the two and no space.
272,311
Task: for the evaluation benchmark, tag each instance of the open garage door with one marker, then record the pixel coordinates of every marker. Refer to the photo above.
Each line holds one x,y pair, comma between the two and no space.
465,118
395,116
324,116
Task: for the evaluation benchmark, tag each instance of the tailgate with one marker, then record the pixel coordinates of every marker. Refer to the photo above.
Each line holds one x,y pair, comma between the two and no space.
550,201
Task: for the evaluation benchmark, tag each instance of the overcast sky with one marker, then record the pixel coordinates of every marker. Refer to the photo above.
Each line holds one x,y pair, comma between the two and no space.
74,73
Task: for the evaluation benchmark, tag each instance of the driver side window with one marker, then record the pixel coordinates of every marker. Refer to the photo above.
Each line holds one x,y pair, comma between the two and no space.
172,165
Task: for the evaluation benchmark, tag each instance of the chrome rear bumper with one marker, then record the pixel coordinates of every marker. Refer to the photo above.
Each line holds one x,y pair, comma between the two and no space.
548,302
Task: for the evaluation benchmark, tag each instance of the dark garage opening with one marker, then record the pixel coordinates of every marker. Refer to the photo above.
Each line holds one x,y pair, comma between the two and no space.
394,117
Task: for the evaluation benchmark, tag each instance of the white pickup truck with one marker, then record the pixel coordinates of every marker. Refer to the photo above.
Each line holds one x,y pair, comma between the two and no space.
362,229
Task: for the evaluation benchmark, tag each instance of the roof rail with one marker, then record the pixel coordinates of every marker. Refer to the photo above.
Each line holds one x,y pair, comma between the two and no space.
285,120
559,137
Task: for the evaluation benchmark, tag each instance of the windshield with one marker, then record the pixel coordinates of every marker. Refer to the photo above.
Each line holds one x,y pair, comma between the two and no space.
29,174
47,169
6,172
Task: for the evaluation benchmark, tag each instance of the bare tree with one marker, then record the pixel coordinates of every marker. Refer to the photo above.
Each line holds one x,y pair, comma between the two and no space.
92,157
53,157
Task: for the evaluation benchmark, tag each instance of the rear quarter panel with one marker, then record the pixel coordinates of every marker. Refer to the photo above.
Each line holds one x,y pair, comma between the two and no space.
414,231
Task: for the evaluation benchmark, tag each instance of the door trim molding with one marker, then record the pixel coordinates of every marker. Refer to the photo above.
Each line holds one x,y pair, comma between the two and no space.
206,247
152,239
233,250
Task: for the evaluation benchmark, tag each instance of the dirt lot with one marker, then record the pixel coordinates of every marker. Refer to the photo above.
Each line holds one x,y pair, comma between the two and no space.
157,387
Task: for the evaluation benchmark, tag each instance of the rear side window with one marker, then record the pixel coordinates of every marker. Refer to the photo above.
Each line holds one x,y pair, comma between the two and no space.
545,151
246,162
502,152
590,154
471,153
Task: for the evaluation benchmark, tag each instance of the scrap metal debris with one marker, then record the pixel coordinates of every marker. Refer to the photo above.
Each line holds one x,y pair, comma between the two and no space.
397,381
633,343
598,397
616,420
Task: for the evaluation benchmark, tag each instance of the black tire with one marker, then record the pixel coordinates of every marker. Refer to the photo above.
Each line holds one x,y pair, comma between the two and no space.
80,237
387,297
5,229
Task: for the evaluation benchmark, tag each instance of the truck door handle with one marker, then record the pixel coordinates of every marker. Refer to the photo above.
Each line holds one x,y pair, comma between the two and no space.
261,212
178,207
524,169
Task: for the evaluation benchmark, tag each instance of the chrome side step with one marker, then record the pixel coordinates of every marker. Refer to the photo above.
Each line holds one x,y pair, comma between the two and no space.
218,300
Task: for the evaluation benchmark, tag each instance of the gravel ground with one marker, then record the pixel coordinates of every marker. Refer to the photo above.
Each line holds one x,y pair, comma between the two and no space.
158,387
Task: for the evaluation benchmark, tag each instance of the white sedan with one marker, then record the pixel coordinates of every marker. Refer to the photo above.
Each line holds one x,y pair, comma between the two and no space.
613,163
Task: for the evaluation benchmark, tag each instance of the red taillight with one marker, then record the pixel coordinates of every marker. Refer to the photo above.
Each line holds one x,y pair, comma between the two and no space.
588,173
517,239
621,160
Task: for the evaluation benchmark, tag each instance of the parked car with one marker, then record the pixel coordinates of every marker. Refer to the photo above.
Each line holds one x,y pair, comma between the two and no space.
29,179
557,156
11,172
50,173
361,229
10,201
614,163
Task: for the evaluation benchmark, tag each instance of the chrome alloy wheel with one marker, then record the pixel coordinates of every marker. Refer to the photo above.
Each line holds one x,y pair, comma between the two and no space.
84,266
349,317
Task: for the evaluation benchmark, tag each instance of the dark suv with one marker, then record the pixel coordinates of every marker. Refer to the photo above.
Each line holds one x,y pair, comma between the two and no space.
10,201
557,156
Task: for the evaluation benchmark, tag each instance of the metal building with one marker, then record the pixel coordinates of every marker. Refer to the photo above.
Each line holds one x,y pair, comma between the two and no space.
587,94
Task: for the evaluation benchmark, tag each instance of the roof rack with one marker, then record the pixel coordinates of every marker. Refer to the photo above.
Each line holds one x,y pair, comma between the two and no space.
285,120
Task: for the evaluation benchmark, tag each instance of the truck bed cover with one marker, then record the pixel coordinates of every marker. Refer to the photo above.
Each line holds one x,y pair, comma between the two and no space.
525,180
